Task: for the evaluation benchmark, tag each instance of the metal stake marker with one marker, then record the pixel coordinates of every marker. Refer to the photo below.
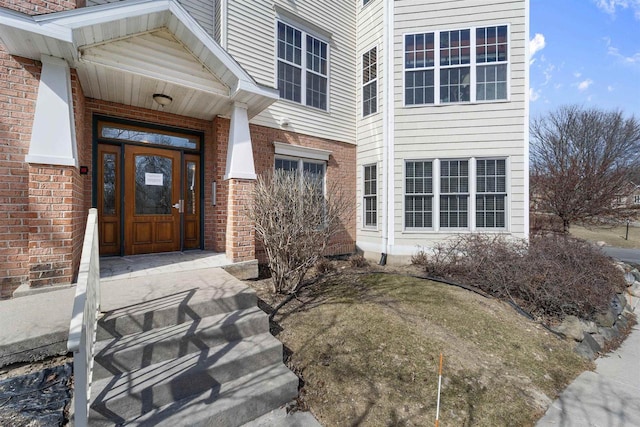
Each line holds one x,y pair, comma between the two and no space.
439,386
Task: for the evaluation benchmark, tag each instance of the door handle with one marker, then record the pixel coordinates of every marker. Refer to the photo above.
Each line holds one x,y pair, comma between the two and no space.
179,206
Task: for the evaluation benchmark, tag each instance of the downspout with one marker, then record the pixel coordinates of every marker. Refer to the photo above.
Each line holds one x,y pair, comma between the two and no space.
223,24
388,213
527,113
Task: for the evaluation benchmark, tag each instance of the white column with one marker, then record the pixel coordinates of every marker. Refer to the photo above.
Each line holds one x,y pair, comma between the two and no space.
53,136
239,150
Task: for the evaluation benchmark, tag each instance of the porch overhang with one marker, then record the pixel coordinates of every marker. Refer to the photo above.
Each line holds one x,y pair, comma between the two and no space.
124,52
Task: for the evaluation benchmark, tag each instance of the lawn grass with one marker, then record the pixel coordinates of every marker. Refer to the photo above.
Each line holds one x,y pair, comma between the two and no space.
367,346
612,236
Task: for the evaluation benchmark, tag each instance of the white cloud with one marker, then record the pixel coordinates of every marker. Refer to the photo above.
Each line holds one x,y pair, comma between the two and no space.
536,44
577,75
610,88
615,52
533,95
611,6
548,74
584,85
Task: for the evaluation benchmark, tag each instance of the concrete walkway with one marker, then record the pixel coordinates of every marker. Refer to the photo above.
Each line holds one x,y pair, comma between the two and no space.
608,397
36,325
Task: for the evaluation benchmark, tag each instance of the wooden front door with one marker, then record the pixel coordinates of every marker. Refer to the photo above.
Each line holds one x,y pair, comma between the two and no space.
152,202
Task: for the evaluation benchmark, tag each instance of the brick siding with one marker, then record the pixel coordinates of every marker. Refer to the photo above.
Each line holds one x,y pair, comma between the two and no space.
41,7
19,79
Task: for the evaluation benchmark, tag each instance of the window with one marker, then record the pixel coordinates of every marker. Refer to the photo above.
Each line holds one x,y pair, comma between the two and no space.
418,199
454,193
302,67
455,72
306,166
491,193
419,60
467,65
365,2
491,57
369,82
636,200
370,217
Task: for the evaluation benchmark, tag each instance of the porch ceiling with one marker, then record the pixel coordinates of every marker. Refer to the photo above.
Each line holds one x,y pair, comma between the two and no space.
125,52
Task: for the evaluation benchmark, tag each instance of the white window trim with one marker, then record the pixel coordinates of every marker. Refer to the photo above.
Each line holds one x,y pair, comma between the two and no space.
507,196
301,161
468,193
435,194
363,85
473,64
291,150
471,220
306,28
364,197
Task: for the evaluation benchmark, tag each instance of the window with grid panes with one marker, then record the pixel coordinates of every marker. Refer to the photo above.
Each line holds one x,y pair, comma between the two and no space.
370,196
370,82
454,193
418,199
455,69
441,67
491,193
302,67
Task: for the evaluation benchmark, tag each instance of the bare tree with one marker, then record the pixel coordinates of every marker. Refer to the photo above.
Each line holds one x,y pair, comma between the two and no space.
581,160
295,219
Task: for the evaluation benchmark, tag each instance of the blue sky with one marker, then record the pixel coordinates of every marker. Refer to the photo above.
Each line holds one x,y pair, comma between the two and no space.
585,52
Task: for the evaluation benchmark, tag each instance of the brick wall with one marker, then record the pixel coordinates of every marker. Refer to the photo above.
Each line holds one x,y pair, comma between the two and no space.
240,238
59,199
341,170
41,7
19,79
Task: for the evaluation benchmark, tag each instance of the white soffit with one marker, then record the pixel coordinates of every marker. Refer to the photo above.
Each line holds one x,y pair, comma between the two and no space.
104,33
300,151
156,55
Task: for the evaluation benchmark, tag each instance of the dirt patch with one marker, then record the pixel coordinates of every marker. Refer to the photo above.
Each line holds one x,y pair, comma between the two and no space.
367,345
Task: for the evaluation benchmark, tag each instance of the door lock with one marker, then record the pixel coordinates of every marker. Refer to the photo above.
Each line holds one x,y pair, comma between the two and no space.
179,206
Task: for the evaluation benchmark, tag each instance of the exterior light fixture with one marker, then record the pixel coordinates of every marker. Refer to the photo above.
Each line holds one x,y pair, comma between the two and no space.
162,99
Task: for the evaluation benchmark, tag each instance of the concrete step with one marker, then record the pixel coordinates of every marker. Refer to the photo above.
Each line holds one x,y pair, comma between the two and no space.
143,349
172,309
233,404
132,394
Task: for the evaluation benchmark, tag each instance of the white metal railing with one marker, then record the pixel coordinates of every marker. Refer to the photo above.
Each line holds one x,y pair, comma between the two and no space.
82,330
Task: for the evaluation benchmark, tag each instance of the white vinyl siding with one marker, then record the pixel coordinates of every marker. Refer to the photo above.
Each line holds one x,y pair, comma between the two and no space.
369,127
201,10
251,40
469,130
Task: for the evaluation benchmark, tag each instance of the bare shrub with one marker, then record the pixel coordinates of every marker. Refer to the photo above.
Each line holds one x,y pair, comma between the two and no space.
551,276
358,261
296,222
324,266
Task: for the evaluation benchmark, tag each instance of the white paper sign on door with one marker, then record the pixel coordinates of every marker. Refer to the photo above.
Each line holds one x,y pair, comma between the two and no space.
153,179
